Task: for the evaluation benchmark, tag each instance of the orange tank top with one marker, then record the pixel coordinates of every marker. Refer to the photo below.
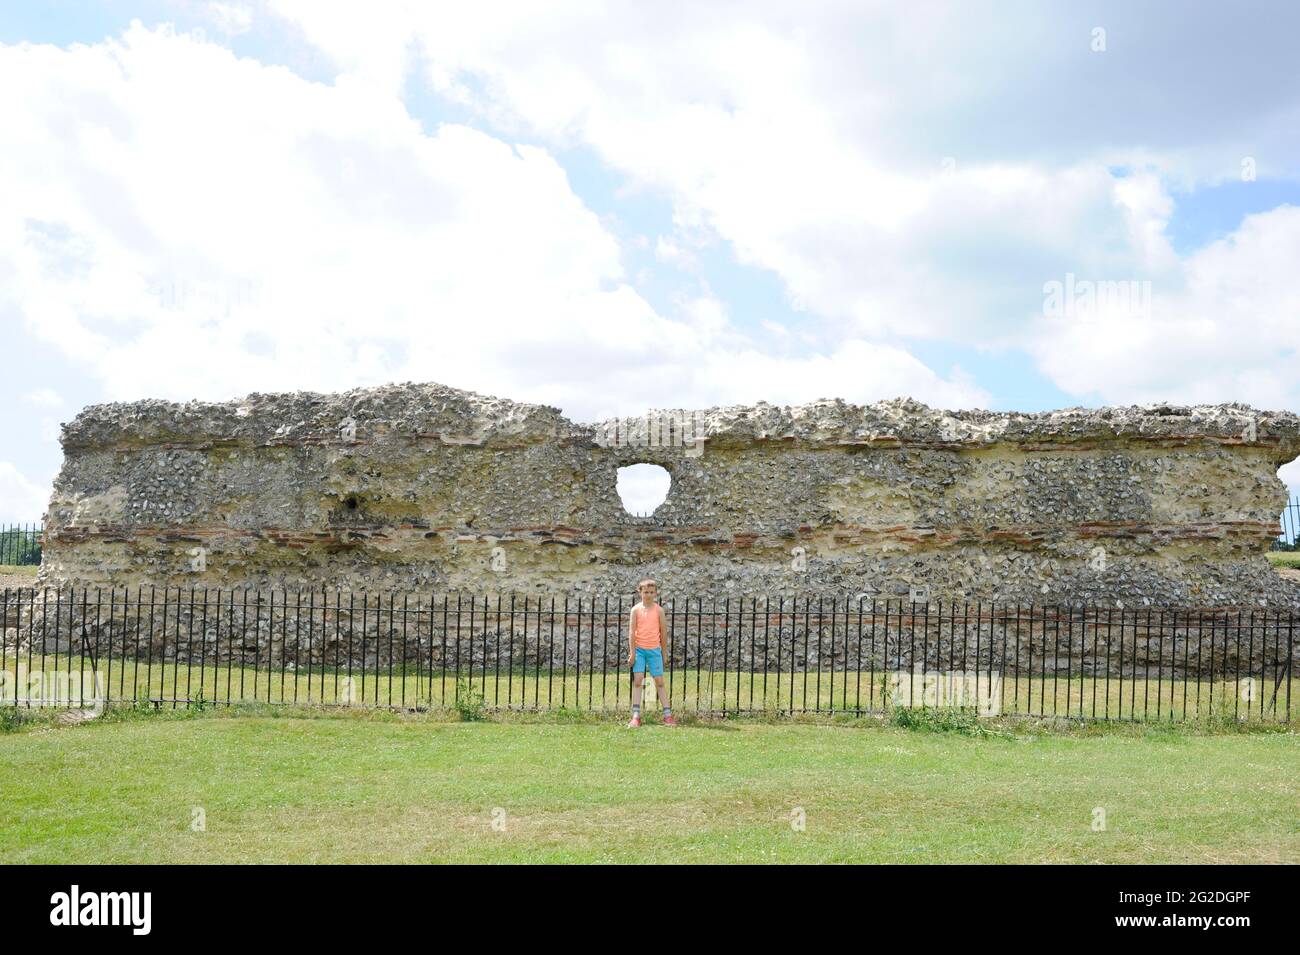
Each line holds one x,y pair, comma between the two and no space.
646,632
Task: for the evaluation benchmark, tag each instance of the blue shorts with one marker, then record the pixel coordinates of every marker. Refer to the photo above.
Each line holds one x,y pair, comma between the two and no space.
653,660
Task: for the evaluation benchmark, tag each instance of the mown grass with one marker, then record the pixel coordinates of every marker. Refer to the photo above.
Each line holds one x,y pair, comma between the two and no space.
1285,558
295,785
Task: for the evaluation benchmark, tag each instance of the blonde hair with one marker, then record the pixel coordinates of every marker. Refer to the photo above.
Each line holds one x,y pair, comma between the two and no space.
644,582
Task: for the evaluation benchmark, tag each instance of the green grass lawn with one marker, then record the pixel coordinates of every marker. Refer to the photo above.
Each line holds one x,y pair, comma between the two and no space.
302,786
1285,558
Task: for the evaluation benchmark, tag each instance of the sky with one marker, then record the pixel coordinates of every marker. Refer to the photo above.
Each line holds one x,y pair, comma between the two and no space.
612,207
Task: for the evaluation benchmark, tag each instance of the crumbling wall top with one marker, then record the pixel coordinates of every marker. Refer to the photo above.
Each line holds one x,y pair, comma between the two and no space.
428,410
464,417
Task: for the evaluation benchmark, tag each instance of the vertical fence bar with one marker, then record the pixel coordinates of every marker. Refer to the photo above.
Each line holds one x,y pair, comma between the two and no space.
726,655
906,618
189,654
257,636
670,652
311,645
1223,659
1187,654
1200,676
456,660
1165,630
1236,689
685,693
753,635
740,637
483,666
550,656
31,631
1146,663
604,657
538,653
44,620
1213,638
821,625
203,648
564,655
621,621
112,623
807,638
1290,649
957,663
577,658
1069,658
5,603
1029,663
1119,703
510,662
270,640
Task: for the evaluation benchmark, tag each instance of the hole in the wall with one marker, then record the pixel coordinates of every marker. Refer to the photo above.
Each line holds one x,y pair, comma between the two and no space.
351,503
642,488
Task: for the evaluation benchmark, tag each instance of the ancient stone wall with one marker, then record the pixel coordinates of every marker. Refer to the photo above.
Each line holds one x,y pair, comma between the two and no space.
423,487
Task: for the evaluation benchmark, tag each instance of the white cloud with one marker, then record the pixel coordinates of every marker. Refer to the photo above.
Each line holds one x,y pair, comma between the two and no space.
1290,475
21,499
915,174
189,224
231,18
741,114
42,398
1226,326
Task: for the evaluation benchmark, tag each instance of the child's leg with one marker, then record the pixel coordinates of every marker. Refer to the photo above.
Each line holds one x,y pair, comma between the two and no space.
662,693
638,683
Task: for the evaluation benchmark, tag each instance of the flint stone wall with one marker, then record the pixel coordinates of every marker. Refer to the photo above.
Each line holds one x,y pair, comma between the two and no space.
424,487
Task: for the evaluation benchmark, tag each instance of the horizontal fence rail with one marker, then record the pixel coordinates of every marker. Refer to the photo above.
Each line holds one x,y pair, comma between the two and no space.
20,544
782,655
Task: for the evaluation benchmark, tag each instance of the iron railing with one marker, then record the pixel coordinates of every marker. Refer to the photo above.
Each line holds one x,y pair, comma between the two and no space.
20,544
1289,526
726,655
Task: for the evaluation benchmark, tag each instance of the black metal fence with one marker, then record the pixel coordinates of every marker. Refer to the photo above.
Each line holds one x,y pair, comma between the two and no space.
1289,538
20,544
836,655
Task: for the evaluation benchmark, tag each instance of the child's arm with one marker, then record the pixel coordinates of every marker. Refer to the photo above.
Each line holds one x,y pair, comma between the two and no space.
663,631
631,637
